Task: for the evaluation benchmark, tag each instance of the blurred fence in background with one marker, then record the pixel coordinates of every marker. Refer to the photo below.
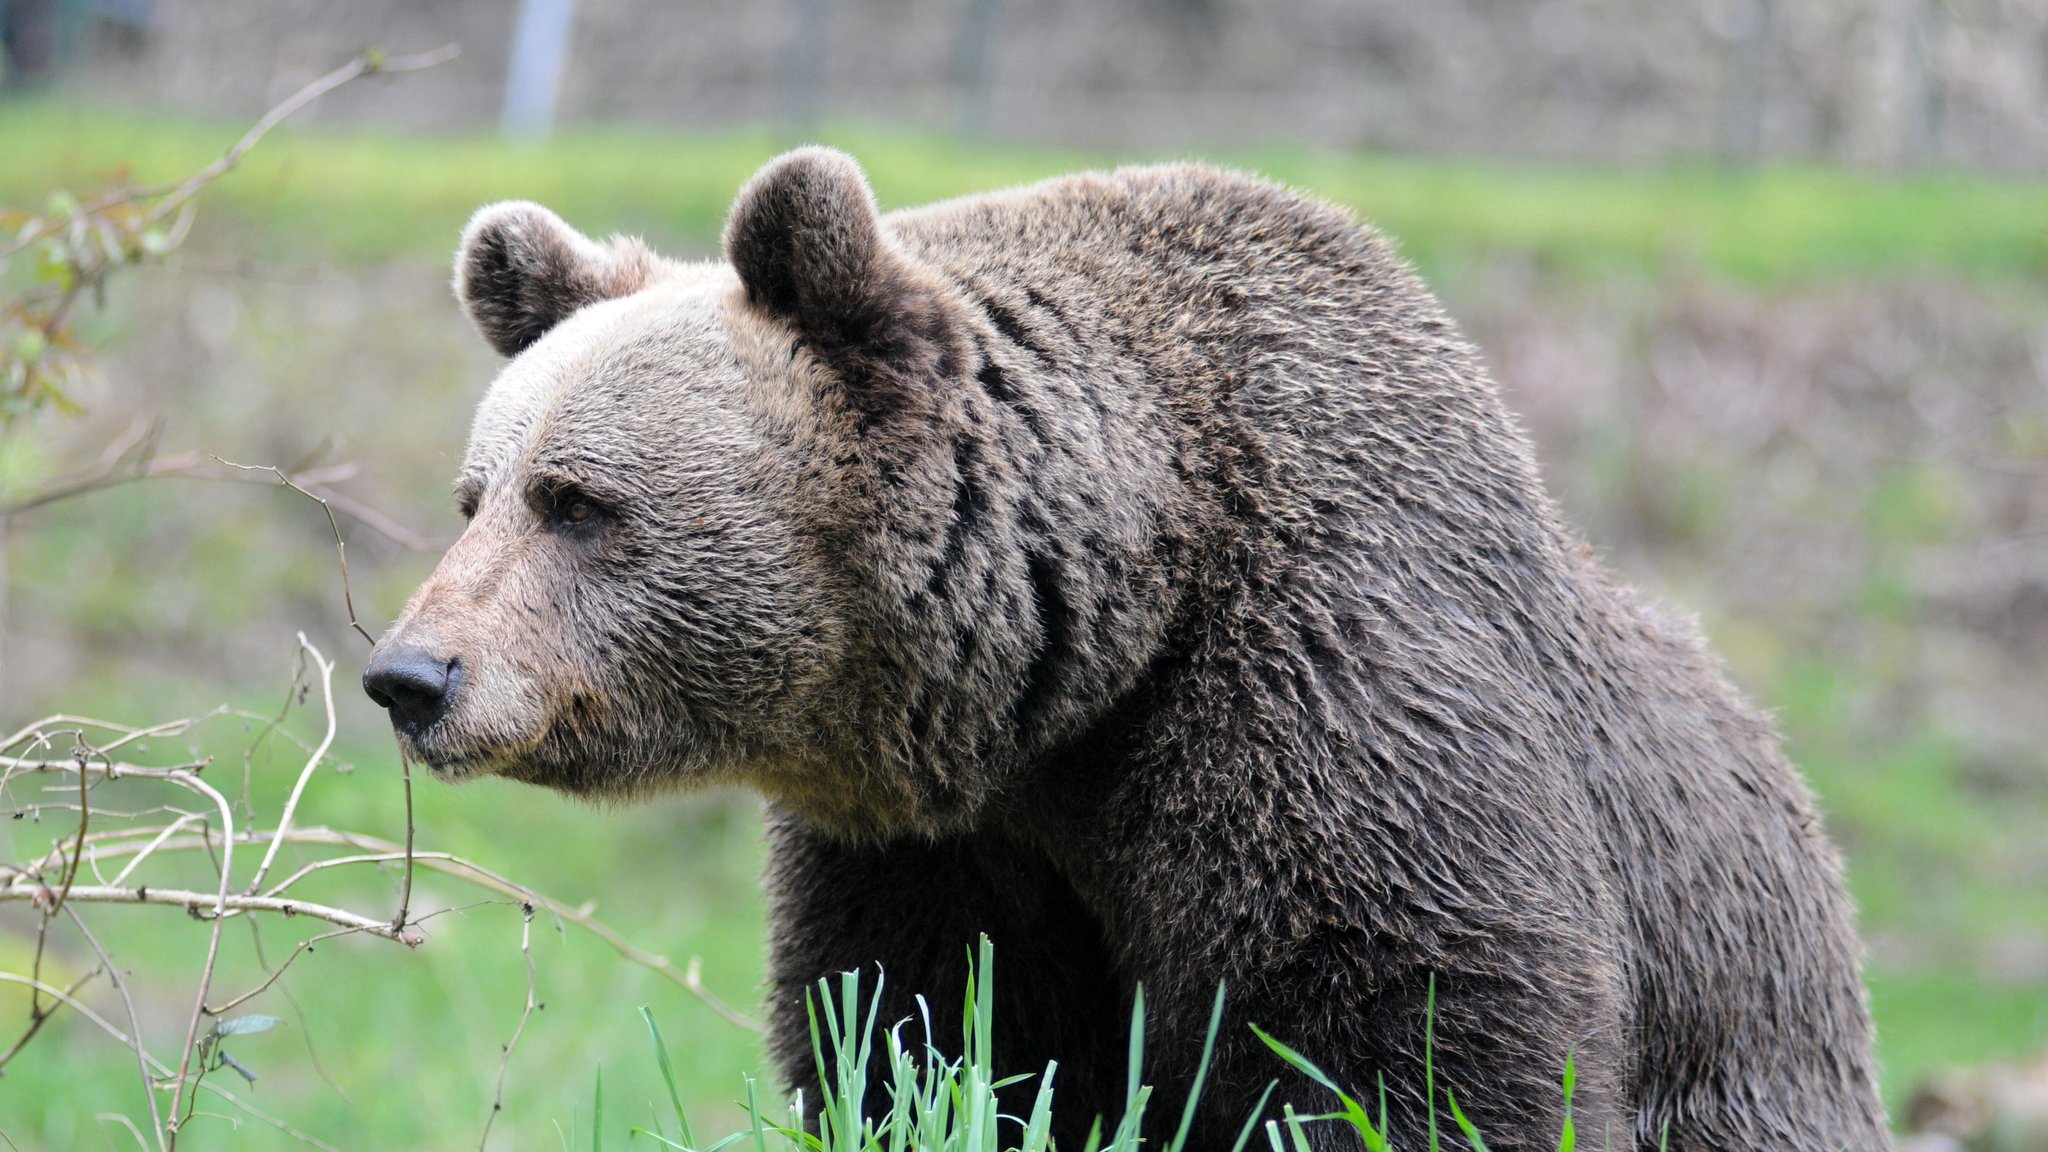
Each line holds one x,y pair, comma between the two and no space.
1875,83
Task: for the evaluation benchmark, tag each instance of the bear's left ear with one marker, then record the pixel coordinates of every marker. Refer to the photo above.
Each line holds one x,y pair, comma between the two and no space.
521,271
810,249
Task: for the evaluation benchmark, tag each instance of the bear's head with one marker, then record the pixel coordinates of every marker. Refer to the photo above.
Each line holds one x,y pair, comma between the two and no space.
647,590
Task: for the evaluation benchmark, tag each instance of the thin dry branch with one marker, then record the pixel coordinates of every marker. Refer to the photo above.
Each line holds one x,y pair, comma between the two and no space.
227,823
37,1016
156,1119
340,548
405,883
174,198
196,466
213,906
304,946
525,1014
291,804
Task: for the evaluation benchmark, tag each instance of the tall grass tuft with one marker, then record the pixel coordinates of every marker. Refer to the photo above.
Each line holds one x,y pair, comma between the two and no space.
937,1103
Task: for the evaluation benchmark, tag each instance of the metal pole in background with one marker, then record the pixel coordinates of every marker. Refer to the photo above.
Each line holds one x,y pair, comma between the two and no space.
1745,71
803,64
533,82
971,78
1920,86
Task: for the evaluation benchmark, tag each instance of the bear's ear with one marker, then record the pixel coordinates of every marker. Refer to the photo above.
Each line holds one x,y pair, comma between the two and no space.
810,249
521,271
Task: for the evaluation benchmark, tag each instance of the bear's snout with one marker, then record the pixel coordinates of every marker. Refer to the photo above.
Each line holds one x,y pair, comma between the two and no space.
416,687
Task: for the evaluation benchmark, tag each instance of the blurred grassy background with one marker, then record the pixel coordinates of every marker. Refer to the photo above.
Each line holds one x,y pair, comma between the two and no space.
1810,406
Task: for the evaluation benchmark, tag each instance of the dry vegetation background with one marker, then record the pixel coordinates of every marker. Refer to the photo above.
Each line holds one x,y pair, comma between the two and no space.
1817,418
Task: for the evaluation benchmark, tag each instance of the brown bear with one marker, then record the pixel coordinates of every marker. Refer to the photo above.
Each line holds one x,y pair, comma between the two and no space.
1139,569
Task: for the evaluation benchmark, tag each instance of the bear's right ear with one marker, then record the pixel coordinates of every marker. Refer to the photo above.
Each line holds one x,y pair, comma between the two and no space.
521,271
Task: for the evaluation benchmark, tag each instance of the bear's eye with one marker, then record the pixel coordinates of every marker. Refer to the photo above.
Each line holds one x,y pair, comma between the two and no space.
565,506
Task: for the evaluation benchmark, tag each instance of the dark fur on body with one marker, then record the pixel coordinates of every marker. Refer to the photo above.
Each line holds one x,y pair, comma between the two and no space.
1138,568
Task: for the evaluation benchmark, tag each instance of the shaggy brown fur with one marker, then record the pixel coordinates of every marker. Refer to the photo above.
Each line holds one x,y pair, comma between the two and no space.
1138,568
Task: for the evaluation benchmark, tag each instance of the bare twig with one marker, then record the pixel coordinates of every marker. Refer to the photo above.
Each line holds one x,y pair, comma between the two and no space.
38,732
163,834
156,1119
68,997
82,755
291,804
340,549
216,907
36,1018
305,946
104,1117
405,881
174,197
693,982
194,466
532,1002
227,824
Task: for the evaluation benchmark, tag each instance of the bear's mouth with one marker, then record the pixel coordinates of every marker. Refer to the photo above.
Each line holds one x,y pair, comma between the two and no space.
458,769
454,755
443,762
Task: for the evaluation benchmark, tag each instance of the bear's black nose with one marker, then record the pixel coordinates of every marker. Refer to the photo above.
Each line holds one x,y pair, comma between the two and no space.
415,687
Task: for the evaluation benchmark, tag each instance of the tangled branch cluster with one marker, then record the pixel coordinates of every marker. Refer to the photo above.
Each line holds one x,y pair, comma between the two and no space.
80,768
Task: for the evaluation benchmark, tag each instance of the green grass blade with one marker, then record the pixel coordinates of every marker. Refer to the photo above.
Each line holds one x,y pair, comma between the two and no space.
1429,1059
1354,1113
1301,1063
657,1137
1251,1122
1094,1141
1464,1125
1187,1111
1383,1101
798,1138
985,1007
824,1104
1137,1050
1038,1129
597,1113
754,1125
1568,1139
1296,1128
1130,1133
668,1077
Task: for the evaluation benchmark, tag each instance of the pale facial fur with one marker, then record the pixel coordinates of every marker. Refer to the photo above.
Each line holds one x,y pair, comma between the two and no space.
667,632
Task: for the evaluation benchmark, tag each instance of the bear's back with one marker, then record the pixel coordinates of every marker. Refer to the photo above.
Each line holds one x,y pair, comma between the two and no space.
1383,536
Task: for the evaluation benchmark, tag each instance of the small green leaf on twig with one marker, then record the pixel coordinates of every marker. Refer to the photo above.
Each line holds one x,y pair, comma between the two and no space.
53,263
246,1025
239,1067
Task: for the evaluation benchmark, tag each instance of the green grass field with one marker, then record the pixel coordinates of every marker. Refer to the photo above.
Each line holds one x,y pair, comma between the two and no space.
388,1048
363,197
